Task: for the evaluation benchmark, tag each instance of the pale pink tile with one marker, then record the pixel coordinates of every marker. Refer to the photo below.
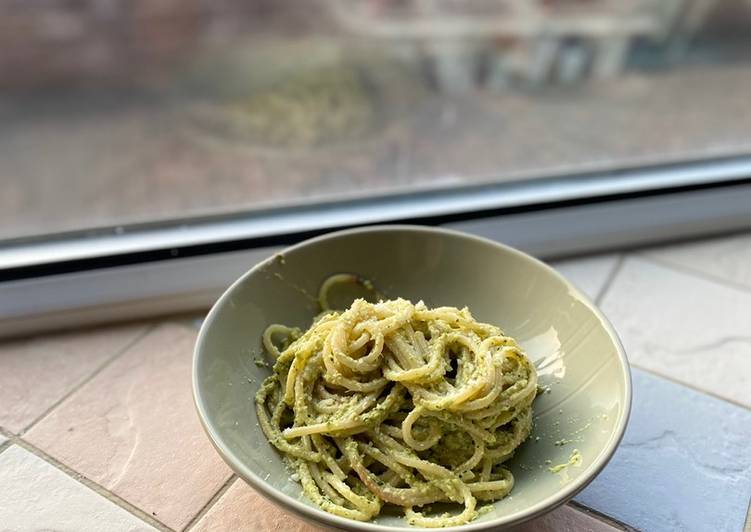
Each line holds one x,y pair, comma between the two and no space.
242,509
35,373
566,519
36,496
133,429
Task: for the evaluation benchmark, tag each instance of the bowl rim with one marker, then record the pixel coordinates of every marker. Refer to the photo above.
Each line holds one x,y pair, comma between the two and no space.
313,514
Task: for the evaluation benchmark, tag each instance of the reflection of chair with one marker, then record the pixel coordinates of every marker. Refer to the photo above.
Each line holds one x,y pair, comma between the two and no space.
534,40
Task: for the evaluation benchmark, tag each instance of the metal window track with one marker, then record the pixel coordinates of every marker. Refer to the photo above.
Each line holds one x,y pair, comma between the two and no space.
156,269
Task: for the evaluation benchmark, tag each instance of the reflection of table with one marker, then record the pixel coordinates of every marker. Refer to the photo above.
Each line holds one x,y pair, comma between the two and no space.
532,41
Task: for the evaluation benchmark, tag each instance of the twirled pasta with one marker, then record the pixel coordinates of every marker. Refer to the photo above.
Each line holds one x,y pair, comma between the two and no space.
397,403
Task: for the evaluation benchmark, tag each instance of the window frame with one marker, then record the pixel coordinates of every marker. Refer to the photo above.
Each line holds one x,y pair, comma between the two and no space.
146,270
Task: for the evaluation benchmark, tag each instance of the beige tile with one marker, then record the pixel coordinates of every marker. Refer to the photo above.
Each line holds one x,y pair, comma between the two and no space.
589,274
35,373
727,258
685,327
36,496
242,509
566,519
133,429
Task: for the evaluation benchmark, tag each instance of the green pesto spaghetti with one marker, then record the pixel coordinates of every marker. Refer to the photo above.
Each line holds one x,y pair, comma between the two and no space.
394,402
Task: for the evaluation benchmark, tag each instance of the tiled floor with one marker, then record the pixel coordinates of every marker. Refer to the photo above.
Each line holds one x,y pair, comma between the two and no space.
36,374
38,496
97,429
684,327
156,458
683,464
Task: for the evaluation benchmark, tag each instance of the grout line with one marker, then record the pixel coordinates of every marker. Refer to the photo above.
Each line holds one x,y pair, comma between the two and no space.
5,445
184,323
610,278
747,527
149,328
598,300
687,270
186,319
97,488
206,507
615,523
689,385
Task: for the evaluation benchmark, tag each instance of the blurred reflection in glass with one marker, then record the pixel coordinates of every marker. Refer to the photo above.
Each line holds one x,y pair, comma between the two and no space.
123,111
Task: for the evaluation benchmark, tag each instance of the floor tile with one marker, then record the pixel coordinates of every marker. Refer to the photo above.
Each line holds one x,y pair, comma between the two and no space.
566,519
685,327
589,274
133,430
683,465
242,509
197,321
35,373
37,496
727,258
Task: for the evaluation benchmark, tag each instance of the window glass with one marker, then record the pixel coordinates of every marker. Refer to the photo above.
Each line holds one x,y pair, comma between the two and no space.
125,111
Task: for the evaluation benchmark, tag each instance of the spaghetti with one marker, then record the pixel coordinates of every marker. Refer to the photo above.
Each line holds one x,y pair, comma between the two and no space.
394,402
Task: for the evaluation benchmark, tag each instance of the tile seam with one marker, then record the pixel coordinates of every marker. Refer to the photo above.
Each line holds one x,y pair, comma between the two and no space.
688,385
602,517
610,279
118,353
211,502
92,485
183,325
687,270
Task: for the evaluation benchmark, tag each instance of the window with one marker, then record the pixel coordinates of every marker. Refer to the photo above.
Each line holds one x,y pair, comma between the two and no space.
139,133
